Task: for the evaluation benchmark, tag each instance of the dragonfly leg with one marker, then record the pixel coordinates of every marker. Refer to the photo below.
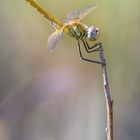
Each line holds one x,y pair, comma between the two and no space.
89,60
96,47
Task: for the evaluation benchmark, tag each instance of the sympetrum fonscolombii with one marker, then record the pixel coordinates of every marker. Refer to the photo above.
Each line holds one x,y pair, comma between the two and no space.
73,28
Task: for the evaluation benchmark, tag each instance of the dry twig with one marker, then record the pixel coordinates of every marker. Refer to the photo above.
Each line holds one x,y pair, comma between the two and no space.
109,101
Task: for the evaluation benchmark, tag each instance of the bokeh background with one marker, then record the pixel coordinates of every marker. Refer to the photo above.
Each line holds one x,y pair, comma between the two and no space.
57,96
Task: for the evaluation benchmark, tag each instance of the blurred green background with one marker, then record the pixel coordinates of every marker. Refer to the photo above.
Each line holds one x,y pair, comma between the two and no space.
57,96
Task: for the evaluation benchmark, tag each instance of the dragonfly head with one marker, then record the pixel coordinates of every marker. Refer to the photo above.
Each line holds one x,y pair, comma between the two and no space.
92,33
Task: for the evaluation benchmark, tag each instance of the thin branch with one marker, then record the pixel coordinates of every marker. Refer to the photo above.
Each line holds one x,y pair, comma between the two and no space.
109,101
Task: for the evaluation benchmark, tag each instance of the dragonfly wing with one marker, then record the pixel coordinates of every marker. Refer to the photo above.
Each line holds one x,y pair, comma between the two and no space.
53,39
80,14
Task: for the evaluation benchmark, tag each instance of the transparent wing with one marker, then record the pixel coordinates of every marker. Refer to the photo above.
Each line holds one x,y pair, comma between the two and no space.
80,14
53,39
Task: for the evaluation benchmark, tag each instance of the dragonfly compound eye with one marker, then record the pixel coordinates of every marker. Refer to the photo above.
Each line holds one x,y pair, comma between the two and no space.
92,33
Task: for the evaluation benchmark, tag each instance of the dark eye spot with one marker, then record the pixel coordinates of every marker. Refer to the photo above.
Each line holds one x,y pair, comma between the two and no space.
97,30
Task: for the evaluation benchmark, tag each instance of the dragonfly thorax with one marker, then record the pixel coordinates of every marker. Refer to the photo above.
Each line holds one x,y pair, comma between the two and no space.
75,29
80,30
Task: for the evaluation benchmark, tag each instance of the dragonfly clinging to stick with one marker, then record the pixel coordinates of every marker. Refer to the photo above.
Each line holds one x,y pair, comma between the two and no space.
73,28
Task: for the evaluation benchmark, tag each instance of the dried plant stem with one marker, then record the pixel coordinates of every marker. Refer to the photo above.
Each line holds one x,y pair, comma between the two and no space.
109,101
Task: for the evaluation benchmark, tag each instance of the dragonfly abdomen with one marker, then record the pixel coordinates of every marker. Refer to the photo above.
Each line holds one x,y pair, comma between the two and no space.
54,21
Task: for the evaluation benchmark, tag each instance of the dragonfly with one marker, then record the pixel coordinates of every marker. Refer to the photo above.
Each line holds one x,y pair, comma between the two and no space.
73,27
